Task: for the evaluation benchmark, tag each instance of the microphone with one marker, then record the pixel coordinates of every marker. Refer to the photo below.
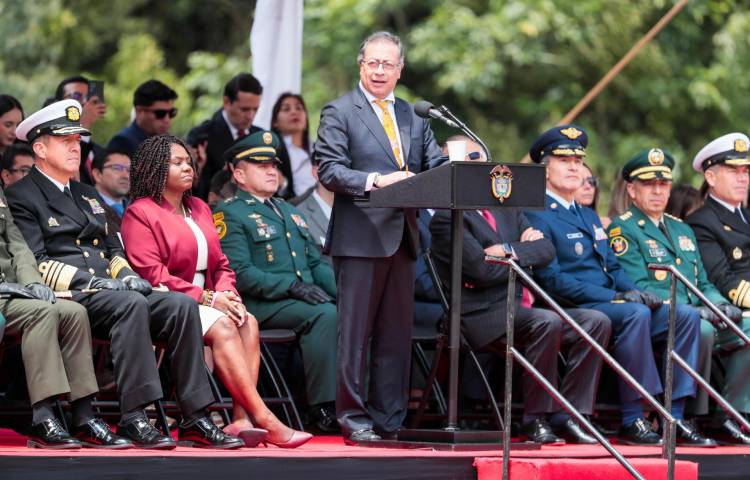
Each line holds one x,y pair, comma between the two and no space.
425,109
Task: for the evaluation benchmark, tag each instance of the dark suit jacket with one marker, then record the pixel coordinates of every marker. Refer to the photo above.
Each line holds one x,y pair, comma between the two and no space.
216,130
162,248
724,244
69,237
128,139
315,217
585,270
86,149
485,290
352,144
424,288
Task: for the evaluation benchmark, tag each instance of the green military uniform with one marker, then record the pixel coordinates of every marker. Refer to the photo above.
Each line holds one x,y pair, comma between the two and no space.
269,253
55,338
638,241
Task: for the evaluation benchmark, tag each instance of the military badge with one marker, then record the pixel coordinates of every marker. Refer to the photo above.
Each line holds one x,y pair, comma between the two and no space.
553,205
686,244
269,253
655,156
263,232
641,222
574,235
501,181
571,132
96,207
736,253
740,145
52,222
73,114
254,216
615,232
660,275
599,233
619,245
267,138
578,247
299,221
221,227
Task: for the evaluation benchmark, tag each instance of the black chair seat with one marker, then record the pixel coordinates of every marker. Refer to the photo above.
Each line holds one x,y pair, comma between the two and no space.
277,335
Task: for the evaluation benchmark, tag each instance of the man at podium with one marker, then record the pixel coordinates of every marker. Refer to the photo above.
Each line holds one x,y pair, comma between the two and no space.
369,139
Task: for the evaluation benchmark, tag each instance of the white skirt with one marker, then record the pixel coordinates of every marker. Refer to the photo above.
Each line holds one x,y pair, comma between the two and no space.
209,315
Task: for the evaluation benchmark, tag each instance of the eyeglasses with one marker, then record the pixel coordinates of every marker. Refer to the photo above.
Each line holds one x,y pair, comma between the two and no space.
22,170
373,65
592,180
162,112
118,167
77,96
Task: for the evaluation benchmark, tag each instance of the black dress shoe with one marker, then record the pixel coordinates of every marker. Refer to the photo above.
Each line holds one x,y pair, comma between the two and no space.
202,433
639,433
323,419
539,431
50,434
688,435
730,433
144,435
364,435
96,434
573,432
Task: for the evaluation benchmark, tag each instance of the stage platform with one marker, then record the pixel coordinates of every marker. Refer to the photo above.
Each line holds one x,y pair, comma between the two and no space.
328,458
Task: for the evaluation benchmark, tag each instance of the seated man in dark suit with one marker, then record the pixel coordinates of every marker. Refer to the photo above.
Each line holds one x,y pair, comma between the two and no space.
16,163
507,233
316,205
111,173
154,110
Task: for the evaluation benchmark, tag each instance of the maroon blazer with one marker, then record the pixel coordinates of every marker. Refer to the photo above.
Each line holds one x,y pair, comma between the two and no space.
162,249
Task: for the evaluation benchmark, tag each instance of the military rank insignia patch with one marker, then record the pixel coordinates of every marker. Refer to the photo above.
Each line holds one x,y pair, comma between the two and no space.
52,222
221,227
615,232
619,245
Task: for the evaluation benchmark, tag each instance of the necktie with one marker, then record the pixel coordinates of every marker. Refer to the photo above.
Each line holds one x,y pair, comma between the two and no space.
390,131
68,193
241,134
738,212
489,218
663,229
119,208
273,207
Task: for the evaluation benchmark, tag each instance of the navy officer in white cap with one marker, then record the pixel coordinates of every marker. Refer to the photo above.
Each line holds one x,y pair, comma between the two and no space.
65,226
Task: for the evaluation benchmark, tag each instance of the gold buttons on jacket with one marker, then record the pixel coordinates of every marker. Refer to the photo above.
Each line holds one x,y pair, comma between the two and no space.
86,254
78,243
288,235
294,254
678,261
299,274
92,271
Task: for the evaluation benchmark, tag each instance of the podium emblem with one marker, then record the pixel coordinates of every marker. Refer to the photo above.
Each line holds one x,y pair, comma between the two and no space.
501,179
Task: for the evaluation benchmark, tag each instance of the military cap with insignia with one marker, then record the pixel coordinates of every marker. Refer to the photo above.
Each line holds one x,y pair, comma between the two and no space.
562,141
59,119
259,147
649,164
729,149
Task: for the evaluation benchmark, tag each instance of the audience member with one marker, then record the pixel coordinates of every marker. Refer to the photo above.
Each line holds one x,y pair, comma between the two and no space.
11,114
619,201
280,274
16,163
646,234
586,273
588,194
233,121
154,110
289,121
683,200
316,205
65,226
111,173
171,240
221,188
94,108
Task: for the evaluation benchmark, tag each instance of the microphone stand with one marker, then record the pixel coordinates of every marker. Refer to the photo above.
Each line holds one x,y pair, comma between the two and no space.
462,126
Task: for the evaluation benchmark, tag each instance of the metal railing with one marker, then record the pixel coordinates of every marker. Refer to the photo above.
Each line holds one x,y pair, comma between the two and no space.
674,357
514,270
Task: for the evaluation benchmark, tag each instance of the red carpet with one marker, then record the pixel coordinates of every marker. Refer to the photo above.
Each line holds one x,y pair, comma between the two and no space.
576,469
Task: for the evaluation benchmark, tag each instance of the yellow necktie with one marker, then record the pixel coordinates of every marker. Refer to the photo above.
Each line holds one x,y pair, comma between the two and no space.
390,130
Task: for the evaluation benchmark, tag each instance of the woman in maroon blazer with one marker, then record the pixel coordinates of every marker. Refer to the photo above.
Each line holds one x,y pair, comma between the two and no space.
171,241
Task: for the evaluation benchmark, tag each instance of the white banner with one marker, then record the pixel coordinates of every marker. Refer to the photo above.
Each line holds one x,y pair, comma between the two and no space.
276,46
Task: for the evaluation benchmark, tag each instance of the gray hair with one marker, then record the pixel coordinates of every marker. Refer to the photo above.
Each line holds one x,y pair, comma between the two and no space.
382,36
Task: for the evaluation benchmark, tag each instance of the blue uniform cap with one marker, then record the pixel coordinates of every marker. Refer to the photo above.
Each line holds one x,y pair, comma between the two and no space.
563,140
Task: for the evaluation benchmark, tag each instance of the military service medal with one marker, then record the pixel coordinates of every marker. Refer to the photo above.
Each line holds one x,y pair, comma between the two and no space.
96,208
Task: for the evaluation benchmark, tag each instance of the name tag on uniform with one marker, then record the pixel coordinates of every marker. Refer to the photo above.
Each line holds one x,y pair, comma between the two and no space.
599,233
571,236
657,252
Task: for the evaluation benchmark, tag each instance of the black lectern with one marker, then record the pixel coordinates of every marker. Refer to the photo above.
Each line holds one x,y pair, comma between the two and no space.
459,186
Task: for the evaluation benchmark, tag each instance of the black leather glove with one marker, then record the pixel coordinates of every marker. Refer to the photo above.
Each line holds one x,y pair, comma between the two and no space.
137,284
734,313
15,290
651,300
707,315
42,292
633,296
107,283
308,292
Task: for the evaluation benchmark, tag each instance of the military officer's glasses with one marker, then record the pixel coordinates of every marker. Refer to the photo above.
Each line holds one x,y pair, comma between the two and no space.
592,181
373,65
117,167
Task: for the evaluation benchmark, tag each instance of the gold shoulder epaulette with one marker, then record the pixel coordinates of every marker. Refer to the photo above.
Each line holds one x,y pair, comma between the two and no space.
673,217
230,200
626,215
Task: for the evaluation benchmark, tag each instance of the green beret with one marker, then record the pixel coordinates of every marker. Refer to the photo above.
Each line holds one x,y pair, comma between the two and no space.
649,165
258,147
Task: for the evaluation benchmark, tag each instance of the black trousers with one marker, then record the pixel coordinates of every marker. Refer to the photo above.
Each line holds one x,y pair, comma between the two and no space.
542,334
133,322
375,308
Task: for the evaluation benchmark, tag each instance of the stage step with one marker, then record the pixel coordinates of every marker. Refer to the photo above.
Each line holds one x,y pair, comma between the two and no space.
575,469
